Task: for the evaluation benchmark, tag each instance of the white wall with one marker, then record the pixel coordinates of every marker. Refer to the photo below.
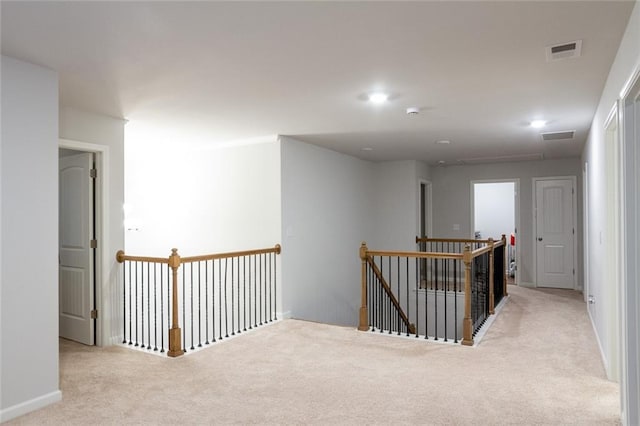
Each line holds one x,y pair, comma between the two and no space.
627,62
331,202
395,204
91,128
451,201
202,201
490,221
326,214
29,235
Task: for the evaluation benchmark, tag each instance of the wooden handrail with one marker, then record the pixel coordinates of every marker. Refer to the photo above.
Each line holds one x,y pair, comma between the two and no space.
449,240
417,254
481,250
459,240
121,257
276,249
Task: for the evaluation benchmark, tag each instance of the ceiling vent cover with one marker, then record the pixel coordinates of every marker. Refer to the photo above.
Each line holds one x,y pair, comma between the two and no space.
558,136
569,50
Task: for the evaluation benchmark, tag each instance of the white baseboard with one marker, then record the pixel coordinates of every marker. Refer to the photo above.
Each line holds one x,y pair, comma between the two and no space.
527,284
114,340
605,363
28,406
284,315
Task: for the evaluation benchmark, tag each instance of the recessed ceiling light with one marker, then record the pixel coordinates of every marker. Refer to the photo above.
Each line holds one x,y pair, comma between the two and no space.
536,124
367,148
441,162
443,142
378,97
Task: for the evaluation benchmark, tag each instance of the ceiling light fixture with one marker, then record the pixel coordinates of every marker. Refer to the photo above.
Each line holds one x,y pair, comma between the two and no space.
536,124
443,142
413,110
378,97
367,148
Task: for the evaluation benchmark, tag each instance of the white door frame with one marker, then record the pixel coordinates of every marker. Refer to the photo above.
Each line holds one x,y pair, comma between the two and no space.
613,240
516,212
574,198
429,224
103,257
586,233
630,232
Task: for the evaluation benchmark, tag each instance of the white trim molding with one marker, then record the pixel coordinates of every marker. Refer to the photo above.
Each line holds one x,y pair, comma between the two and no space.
103,325
29,406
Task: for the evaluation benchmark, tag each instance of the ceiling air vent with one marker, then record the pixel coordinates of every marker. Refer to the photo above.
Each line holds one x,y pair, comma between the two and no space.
558,136
564,51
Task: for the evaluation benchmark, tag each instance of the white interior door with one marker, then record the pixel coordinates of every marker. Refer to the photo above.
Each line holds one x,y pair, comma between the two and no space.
76,280
554,233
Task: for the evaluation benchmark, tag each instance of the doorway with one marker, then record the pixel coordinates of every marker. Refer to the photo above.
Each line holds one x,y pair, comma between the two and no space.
102,295
495,212
554,232
424,213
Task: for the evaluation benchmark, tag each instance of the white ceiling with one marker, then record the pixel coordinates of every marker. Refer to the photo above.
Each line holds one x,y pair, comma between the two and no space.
208,72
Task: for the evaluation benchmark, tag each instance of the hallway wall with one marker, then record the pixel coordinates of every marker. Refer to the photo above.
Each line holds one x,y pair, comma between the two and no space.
326,213
624,67
29,238
452,201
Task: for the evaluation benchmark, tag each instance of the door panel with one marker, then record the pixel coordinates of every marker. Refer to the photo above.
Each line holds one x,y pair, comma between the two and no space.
76,258
555,233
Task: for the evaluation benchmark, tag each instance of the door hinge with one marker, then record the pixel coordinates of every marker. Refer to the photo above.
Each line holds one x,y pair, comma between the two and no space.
94,314
573,231
94,243
574,272
93,173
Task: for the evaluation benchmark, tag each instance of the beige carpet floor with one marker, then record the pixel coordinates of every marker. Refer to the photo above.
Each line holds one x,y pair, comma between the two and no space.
537,364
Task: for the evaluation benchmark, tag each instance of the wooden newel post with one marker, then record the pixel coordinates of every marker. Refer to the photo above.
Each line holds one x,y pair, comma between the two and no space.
175,334
364,322
467,323
505,265
492,302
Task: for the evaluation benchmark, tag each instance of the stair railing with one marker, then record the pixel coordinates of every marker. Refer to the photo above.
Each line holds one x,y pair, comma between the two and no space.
228,293
474,269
